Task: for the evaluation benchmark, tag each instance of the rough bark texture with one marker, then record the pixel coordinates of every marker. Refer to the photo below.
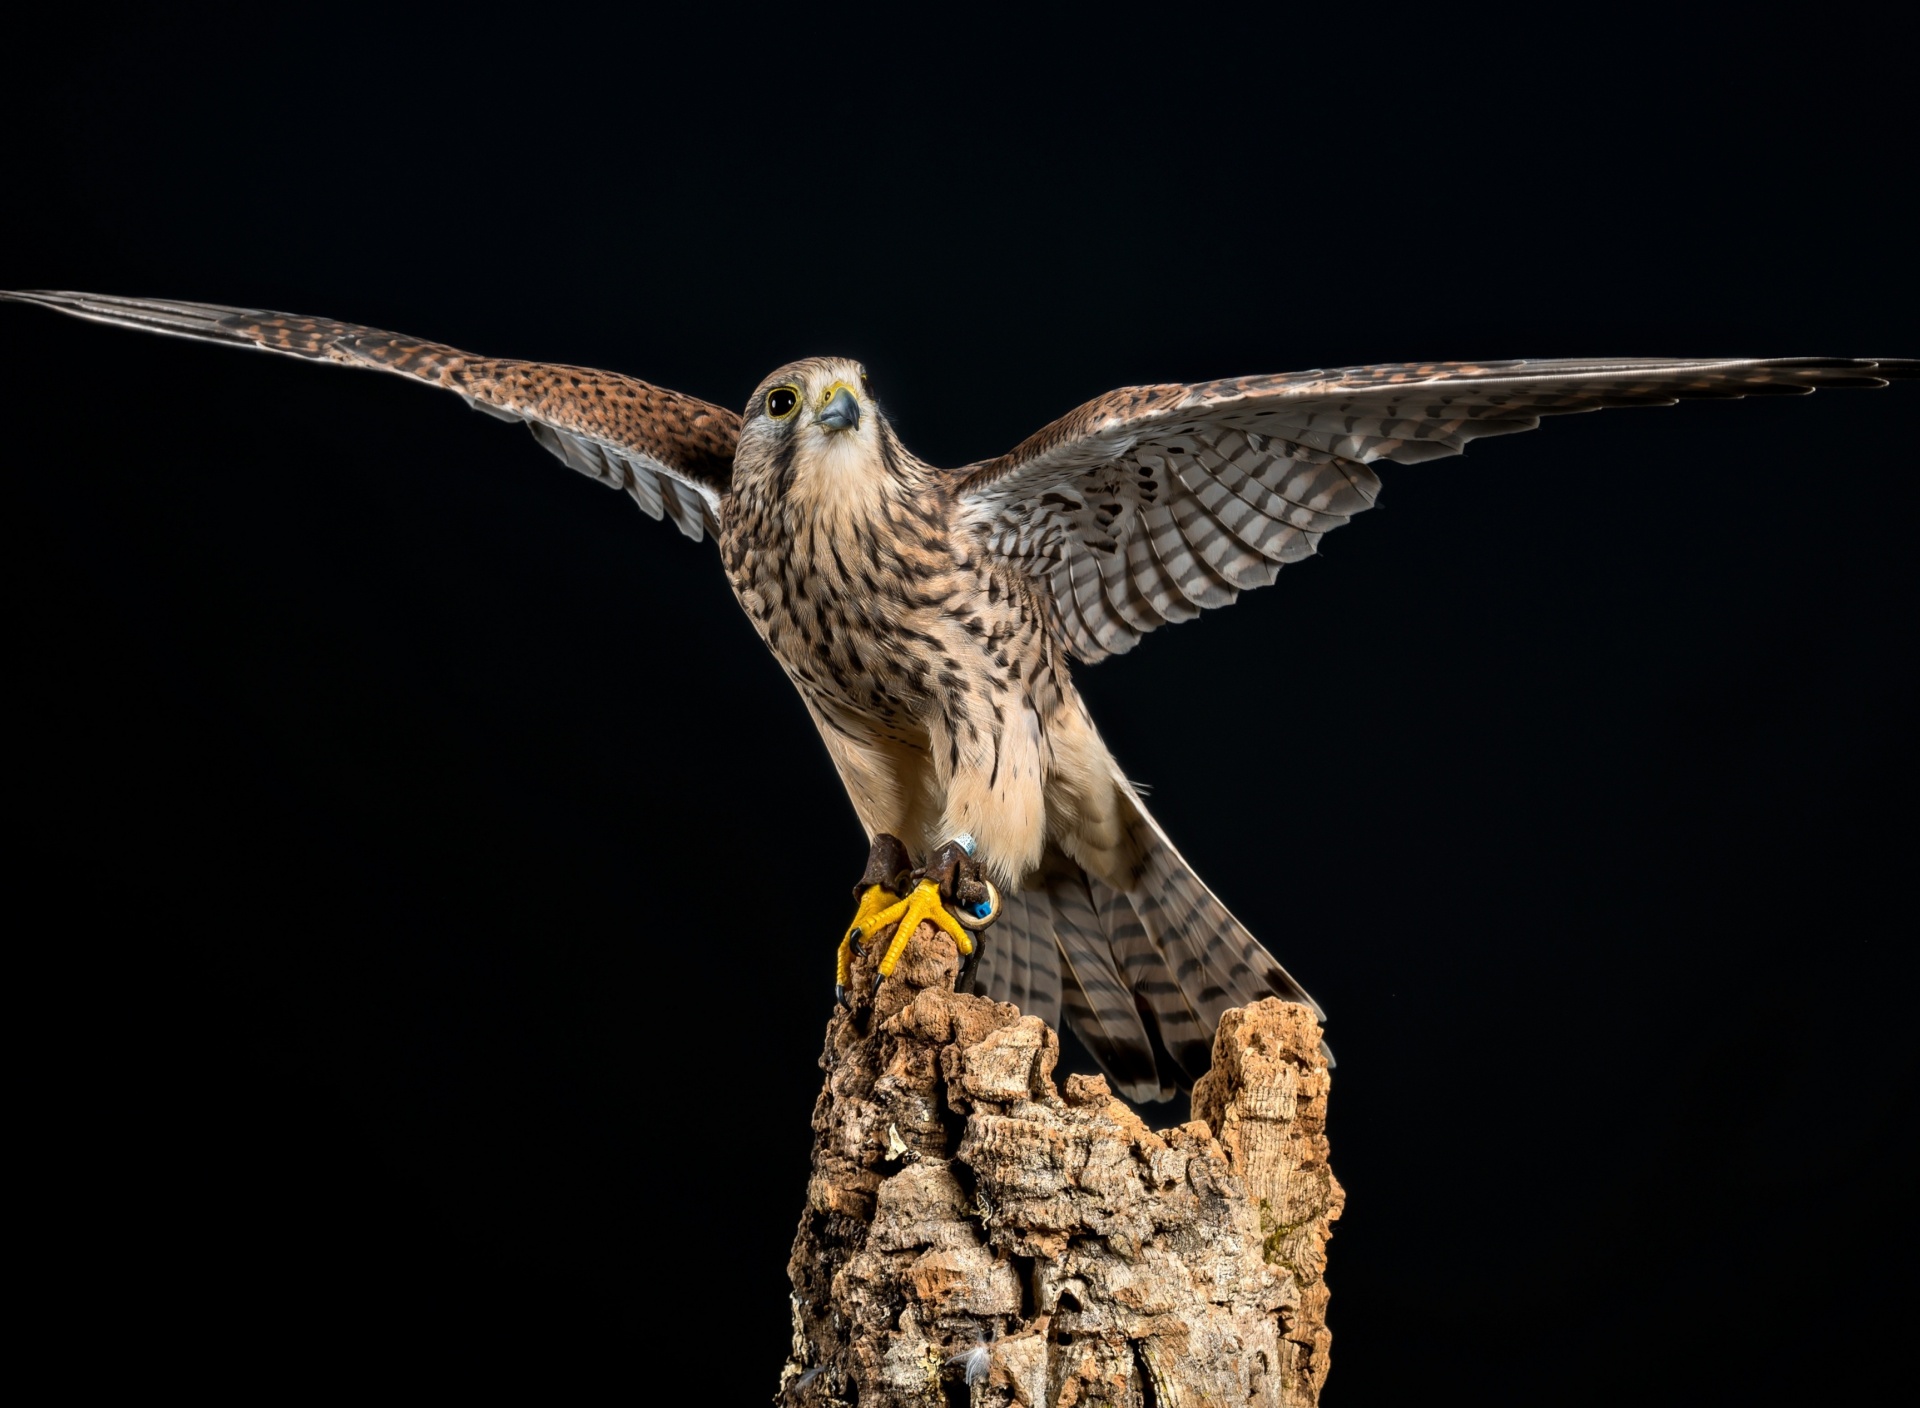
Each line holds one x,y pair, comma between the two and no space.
973,1235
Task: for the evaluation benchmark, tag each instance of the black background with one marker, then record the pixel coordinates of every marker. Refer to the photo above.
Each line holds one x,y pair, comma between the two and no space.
401,821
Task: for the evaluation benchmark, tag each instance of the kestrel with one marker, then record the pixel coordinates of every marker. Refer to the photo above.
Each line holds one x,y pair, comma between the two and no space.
928,616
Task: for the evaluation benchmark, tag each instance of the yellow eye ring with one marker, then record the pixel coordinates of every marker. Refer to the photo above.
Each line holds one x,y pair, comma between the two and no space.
782,402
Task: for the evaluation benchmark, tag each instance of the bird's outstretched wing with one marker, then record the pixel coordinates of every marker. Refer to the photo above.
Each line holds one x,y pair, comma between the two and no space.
1149,503
673,453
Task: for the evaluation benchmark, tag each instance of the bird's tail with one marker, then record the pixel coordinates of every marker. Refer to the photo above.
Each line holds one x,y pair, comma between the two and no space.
1143,973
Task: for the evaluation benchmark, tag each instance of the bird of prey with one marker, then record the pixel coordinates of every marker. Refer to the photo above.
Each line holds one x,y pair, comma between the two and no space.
928,616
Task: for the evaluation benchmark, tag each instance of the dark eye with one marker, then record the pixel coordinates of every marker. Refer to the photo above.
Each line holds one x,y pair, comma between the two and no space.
781,401
865,383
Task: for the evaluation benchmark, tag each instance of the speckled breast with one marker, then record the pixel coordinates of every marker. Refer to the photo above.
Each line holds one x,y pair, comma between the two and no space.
881,625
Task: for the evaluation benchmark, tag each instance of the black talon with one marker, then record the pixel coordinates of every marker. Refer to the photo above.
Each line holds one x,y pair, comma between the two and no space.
963,980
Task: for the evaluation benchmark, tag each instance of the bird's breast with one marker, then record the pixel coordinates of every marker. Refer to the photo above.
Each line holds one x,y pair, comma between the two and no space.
844,608
882,627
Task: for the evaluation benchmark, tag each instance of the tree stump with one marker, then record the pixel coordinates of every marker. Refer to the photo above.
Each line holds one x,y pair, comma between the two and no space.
973,1235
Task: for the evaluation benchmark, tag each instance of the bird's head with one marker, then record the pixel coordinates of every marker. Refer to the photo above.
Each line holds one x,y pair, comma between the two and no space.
814,431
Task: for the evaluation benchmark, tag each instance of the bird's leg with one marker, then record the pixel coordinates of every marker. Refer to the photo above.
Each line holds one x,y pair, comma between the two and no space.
889,868
951,892
961,881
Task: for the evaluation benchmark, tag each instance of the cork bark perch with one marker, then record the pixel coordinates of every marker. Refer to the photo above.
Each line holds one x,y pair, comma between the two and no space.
975,1235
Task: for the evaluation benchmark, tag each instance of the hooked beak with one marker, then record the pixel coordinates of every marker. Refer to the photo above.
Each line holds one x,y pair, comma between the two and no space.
842,411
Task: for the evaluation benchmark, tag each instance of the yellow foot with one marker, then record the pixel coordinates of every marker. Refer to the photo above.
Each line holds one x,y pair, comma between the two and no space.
876,900
876,913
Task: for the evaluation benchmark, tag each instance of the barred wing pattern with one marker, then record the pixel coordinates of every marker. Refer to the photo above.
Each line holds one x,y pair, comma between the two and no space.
673,453
1150,503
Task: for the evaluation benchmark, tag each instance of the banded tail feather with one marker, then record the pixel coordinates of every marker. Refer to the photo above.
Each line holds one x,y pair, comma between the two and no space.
1142,975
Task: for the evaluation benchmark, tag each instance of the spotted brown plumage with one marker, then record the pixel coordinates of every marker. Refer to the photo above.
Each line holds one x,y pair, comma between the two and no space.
928,617
673,453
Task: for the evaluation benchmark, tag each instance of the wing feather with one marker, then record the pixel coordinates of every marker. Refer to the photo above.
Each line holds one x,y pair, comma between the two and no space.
1162,593
1148,504
1128,597
672,453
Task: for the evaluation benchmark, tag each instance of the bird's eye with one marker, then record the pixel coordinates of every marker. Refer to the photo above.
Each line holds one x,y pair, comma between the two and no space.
866,383
781,402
